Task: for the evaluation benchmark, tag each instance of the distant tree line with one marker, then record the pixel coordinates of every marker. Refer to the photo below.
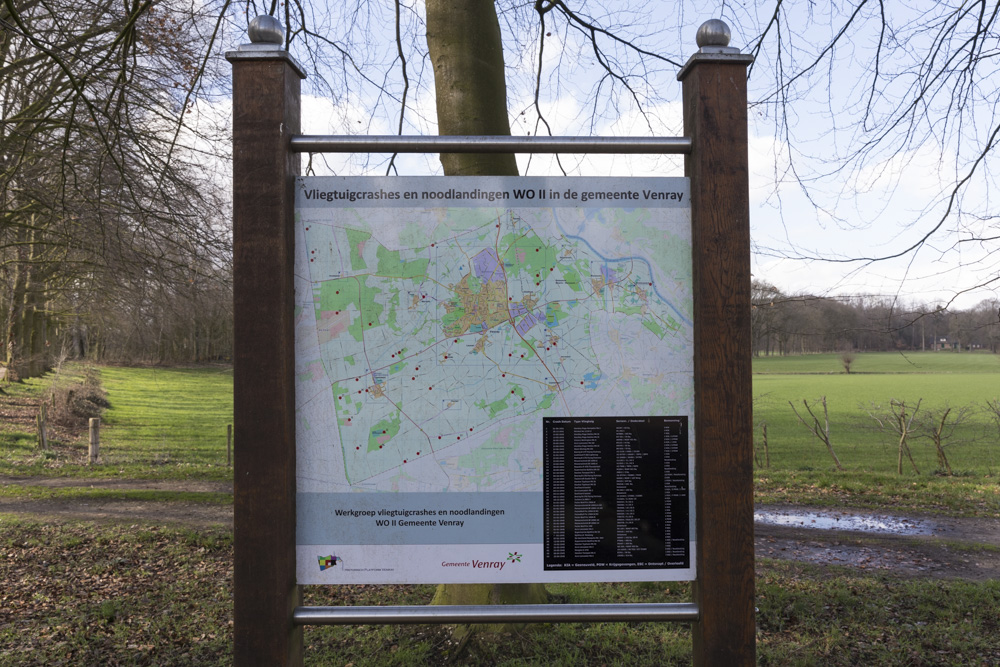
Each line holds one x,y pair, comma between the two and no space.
784,324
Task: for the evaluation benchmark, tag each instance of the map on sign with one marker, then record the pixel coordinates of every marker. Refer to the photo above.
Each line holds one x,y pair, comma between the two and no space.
438,321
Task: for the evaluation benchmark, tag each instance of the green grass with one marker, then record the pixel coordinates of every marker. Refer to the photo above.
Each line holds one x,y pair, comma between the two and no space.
801,469
163,423
882,362
140,594
168,422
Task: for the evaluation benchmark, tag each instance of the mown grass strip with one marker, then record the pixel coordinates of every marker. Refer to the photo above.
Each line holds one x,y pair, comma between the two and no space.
172,420
881,362
972,495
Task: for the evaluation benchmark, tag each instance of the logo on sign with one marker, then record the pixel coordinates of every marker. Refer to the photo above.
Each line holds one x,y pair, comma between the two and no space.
327,562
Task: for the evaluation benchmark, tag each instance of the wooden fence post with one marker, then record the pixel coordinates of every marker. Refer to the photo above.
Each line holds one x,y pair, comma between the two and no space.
95,439
715,118
43,439
266,83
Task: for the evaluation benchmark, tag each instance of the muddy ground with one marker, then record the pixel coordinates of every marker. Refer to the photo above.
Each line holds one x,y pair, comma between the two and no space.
945,547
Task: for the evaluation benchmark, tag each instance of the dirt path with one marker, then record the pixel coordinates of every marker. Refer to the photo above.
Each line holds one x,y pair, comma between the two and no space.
950,548
964,548
193,514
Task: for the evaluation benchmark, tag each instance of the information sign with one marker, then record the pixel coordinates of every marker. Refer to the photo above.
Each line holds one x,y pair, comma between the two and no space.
494,380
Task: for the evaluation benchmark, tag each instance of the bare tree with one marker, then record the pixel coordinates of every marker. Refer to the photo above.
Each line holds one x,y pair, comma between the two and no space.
940,426
847,358
821,431
917,89
103,183
896,420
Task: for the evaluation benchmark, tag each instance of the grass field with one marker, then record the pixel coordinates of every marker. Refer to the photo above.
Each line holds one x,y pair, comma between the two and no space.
171,424
137,593
163,423
801,470
168,421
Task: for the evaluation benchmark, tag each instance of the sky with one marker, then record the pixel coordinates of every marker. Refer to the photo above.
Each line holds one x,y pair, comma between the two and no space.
815,212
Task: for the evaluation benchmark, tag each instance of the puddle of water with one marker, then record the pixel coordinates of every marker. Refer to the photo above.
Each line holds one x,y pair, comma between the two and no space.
867,523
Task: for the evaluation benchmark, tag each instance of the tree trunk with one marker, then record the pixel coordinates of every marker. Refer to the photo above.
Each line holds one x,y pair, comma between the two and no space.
465,48
464,42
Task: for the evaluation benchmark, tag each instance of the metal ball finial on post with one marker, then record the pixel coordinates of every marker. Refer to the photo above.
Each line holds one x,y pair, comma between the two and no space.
266,29
713,37
713,32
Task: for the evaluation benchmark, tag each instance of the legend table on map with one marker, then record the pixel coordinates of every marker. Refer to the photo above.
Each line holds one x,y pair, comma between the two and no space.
616,493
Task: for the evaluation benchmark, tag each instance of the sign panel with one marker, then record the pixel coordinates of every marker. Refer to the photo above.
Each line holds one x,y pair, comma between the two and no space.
494,380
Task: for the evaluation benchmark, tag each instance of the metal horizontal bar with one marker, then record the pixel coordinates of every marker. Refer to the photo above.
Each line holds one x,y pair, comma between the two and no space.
513,613
486,144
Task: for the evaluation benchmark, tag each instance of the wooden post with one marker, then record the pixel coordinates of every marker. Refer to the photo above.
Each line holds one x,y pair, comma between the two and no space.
43,440
266,83
229,445
95,439
715,118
